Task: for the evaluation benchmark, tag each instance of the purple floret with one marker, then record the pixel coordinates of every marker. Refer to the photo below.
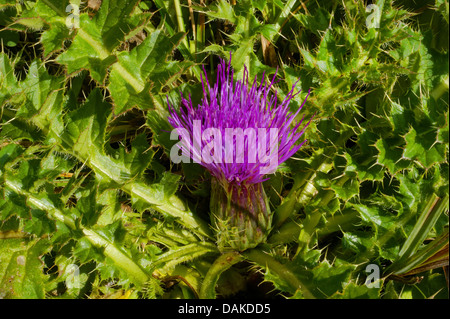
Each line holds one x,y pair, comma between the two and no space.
236,105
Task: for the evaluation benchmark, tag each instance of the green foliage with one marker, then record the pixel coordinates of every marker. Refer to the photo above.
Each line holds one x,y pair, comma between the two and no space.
92,207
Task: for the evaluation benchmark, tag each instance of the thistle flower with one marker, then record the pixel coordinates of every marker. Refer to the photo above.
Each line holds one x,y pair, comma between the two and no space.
239,133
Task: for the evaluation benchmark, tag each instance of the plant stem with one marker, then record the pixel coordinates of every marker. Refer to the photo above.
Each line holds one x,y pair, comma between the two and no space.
410,255
339,222
288,232
433,209
119,258
180,21
308,229
221,264
184,253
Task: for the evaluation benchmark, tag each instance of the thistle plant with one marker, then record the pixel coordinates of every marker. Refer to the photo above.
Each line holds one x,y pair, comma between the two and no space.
252,135
94,205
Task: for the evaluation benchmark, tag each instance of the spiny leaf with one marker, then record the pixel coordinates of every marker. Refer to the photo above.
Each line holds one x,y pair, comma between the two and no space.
56,27
147,63
390,154
21,271
423,146
354,291
92,48
86,126
8,83
223,10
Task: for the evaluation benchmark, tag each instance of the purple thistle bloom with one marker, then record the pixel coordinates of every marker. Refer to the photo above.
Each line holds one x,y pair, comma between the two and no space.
250,134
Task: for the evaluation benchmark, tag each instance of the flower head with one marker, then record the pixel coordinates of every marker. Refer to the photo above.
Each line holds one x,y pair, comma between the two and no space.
239,133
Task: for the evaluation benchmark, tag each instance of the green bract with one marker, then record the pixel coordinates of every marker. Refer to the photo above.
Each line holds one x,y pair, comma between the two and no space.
92,207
